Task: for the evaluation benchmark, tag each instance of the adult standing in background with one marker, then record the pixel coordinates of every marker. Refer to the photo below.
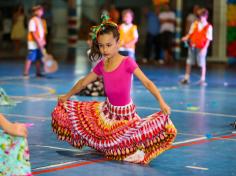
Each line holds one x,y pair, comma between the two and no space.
49,20
168,20
191,18
114,14
18,32
153,35
6,30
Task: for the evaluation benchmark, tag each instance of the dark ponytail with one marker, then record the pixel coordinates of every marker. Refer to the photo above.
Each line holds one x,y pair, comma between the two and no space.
95,53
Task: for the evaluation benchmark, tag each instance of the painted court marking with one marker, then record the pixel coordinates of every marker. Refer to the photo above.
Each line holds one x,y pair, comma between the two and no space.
55,165
52,147
8,78
28,116
68,166
190,112
174,144
65,149
201,141
73,164
180,144
213,92
139,107
49,90
189,140
196,167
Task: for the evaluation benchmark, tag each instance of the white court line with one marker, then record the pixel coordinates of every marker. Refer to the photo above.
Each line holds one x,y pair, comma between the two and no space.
90,152
190,112
49,90
58,148
28,116
196,167
54,165
61,164
139,107
7,78
212,92
203,137
190,134
65,149
190,140
34,98
212,133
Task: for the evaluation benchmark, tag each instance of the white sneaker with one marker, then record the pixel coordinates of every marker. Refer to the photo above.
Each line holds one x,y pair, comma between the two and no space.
137,157
144,60
202,83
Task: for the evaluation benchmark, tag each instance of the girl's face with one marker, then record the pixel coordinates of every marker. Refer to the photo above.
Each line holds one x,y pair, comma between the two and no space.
203,18
127,18
39,12
108,45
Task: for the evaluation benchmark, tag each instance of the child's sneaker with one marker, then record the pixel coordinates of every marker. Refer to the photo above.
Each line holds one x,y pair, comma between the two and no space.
202,83
184,81
26,76
233,125
40,75
137,157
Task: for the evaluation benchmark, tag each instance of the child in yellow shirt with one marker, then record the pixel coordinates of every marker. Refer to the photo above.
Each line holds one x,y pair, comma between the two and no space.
128,34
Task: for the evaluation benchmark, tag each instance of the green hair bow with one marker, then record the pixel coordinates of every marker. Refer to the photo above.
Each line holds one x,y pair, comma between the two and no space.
105,20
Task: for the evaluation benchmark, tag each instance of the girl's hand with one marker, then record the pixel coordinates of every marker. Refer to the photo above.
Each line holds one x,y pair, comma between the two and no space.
63,98
203,51
165,108
185,38
16,129
42,43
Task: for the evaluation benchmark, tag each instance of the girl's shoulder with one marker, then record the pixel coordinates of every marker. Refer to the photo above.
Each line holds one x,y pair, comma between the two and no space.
128,59
130,62
99,63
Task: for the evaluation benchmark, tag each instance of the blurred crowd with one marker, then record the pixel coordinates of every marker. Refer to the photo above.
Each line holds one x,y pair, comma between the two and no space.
151,37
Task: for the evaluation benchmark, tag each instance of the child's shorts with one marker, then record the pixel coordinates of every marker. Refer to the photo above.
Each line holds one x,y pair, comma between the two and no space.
195,55
34,55
127,53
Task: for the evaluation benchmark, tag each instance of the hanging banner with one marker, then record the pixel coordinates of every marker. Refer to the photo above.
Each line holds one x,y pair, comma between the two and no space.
231,31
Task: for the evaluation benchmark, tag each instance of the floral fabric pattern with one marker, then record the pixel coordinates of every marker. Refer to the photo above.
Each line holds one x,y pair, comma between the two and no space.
14,156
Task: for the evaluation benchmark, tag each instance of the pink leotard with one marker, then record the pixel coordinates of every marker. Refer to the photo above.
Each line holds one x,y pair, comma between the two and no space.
117,83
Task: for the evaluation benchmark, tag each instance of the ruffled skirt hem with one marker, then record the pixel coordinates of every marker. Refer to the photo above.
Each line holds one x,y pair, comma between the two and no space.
116,131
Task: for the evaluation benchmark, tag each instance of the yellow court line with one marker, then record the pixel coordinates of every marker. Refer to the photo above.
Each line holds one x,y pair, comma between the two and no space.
48,89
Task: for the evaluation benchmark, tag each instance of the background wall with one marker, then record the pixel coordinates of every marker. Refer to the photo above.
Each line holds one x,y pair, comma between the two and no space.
89,11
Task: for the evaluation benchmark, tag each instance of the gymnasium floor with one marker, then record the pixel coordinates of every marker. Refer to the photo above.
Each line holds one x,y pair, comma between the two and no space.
205,145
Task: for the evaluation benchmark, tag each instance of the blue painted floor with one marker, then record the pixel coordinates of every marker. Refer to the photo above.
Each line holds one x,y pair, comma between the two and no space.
205,145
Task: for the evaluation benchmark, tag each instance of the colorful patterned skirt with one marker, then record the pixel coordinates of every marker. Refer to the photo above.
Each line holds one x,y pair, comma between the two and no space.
116,131
14,156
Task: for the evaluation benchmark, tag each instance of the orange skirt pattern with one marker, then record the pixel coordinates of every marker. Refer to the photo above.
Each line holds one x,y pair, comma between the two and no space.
116,131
